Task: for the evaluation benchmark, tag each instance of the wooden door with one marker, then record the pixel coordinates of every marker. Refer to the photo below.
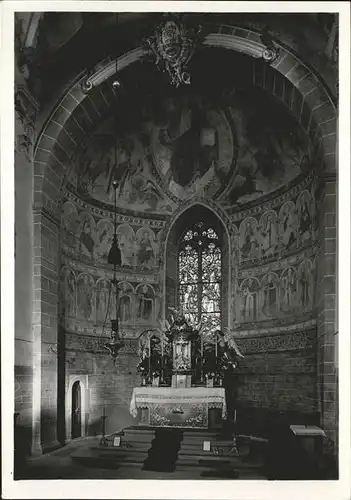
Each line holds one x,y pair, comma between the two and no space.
76,410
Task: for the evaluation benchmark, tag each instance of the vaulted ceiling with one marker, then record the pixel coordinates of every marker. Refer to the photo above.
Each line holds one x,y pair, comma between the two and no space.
224,71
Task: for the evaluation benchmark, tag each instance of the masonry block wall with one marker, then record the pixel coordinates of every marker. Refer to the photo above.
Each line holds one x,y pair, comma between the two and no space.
109,385
278,373
327,312
23,341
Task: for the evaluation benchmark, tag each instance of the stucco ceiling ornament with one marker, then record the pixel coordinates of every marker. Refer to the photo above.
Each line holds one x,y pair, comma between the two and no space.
172,47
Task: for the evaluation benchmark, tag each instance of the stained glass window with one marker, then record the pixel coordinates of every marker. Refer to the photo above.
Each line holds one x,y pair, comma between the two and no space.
200,274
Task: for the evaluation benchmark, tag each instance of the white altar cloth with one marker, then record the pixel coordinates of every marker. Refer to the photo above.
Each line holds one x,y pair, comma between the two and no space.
142,397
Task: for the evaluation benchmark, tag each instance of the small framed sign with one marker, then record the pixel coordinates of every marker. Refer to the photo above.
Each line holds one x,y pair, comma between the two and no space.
207,446
117,441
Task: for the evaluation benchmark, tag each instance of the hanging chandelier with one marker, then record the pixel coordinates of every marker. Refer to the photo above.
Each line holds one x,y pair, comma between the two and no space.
115,343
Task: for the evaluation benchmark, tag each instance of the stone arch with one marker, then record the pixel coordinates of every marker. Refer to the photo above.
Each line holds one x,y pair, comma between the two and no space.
146,248
126,302
288,290
83,380
249,243
249,303
269,303
305,284
103,293
126,241
103,240
268,233
86,235
86,297
299,87
67,292
287,228
145,303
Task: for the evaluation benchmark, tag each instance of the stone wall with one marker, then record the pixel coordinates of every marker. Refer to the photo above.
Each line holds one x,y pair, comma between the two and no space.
109,385
278,372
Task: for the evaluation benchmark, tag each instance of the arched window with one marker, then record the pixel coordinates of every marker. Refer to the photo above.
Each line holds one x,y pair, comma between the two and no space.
200,275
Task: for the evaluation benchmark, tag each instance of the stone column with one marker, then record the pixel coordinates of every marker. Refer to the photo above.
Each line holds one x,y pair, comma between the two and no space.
25,114
326,302
45,326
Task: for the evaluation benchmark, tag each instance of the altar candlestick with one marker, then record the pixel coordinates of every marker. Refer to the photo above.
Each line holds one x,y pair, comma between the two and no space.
161,380
149,358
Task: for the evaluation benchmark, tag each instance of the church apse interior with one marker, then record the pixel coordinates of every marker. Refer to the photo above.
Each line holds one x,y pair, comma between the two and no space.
176,173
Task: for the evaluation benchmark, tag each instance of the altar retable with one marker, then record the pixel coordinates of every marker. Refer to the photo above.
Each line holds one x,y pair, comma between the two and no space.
182,372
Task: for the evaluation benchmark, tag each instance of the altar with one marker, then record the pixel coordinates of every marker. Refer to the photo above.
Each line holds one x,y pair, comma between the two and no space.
182,372
176,407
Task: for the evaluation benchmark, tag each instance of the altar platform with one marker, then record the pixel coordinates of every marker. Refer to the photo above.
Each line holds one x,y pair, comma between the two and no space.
178,407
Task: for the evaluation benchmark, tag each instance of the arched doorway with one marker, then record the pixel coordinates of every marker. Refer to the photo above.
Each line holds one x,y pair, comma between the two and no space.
76,420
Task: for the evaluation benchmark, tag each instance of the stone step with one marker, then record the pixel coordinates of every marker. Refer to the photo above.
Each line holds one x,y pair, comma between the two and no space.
216,461
107,462
194,441
133,458
118,451
126,445
137,438
203,453
135,430
108,454
199,446
202,433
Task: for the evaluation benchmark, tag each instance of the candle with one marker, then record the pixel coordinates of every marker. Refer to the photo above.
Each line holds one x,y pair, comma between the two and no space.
234,416
149,374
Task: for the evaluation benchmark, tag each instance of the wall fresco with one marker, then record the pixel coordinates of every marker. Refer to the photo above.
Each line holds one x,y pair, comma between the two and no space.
124,160
90,238
85,297
88,303
193,147
67,293
274,295
277,232
273,150
236,149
